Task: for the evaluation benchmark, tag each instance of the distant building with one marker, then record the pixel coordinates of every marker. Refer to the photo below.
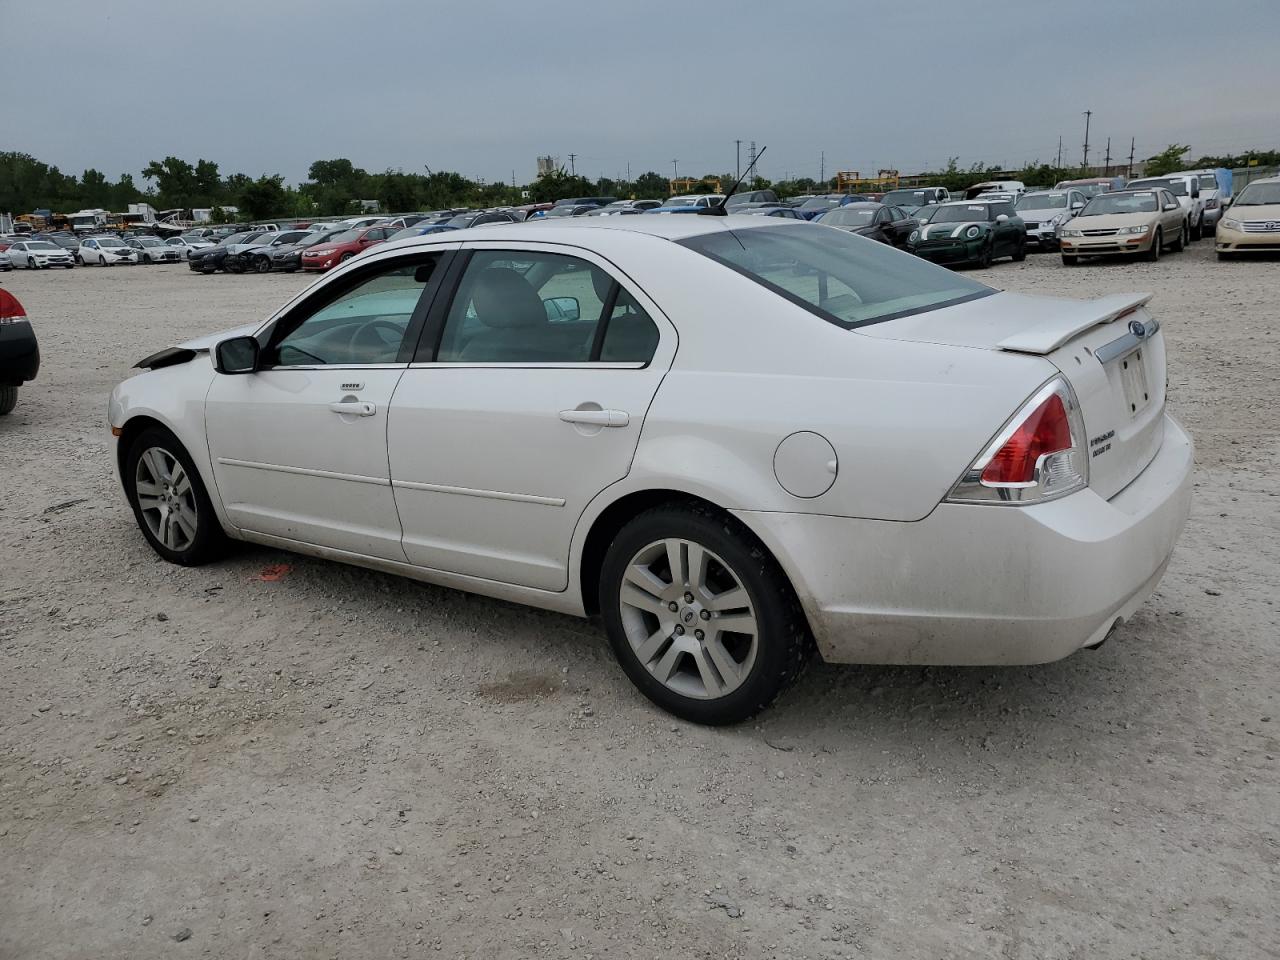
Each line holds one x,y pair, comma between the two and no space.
548,166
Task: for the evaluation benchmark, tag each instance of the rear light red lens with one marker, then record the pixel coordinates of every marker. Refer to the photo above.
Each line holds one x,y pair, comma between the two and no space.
1046,430
10,308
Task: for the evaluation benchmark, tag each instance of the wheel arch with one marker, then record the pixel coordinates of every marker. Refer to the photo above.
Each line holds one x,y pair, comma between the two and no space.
611,519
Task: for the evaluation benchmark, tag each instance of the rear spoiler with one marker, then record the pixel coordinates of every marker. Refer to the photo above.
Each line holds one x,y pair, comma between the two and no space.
1049,336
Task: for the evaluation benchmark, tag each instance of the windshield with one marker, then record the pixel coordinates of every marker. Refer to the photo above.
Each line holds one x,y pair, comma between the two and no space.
1042,201
346,236
1106,203
150,241
111,242
466,219
820,203
1177,187
320,236
960,213
906,198
1258,194
835,275
854,215
557,212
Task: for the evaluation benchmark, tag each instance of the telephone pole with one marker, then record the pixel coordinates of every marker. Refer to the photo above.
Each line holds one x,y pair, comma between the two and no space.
572,172
1129,173
1107,161
675,171
822,168
1059,151
737,159
1088,114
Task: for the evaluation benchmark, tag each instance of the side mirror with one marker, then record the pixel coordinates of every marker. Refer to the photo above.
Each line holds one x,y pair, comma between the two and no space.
562,309
237,355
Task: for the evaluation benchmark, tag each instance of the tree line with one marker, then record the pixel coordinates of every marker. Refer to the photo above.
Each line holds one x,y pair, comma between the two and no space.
337,186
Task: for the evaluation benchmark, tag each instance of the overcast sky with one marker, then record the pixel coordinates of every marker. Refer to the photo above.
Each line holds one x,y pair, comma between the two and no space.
484,87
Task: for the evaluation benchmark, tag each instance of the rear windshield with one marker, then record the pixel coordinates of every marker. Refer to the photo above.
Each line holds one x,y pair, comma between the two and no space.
836,275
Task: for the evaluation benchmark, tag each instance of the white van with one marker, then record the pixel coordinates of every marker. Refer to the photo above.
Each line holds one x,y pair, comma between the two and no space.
1016,188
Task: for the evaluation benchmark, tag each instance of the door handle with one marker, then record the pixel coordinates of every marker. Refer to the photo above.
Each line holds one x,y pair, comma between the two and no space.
597,418
353,408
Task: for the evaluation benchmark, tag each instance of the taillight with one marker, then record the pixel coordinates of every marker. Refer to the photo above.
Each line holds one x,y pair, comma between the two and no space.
1037,456
10,309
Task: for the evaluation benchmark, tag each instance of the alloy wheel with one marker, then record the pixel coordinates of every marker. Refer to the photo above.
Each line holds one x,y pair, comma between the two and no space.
688,619
166,498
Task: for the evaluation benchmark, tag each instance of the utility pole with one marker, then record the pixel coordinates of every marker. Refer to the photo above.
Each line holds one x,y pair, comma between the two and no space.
737,159
1129,173
675,170
572,171
1088,114
513,179
822,168
1059,151
1107,161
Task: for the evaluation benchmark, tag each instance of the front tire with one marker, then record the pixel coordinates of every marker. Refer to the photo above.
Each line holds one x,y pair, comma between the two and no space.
1153,254
1197,232
169,500
8,399
737,636
262,265
1070,260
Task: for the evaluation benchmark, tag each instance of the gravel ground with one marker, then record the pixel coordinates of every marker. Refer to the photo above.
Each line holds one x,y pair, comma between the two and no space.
336,763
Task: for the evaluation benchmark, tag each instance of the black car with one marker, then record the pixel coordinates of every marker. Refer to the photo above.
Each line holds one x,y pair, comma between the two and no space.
19,351
258,258
215,258
888,224
288,256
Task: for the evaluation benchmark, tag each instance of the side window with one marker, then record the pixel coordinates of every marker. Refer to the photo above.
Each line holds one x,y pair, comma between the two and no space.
364,323
525,308
631,336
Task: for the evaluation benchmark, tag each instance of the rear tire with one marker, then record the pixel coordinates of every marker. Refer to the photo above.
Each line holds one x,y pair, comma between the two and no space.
8,399
169,500
679,659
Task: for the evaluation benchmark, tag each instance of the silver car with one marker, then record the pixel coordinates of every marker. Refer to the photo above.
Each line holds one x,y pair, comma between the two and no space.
1045,211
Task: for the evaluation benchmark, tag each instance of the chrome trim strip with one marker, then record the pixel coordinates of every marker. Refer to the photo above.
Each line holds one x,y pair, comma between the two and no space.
304,471
487,494
1126,344
520,365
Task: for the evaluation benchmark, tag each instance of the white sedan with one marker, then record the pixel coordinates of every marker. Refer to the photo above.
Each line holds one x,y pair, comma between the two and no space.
737,439
38,254
185,245
106,251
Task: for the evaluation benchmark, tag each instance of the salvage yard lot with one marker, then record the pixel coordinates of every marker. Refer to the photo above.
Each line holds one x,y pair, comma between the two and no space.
249,760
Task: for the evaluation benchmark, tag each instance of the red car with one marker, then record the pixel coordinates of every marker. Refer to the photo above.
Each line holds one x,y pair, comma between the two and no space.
343,247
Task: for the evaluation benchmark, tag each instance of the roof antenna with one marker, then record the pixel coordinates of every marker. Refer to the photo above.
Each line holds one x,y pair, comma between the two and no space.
719,209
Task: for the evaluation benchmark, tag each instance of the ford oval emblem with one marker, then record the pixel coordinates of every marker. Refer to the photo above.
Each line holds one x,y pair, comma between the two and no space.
1137,329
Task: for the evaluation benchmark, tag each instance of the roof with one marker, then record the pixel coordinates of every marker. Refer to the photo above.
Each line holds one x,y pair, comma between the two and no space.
595,230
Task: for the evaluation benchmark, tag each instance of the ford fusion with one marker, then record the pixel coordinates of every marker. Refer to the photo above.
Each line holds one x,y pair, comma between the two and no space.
737,440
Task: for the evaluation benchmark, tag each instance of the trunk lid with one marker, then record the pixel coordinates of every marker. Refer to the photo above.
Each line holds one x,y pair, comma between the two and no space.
1111,351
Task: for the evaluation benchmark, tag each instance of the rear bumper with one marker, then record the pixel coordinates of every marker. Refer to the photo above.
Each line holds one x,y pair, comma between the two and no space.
19,353
979,584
